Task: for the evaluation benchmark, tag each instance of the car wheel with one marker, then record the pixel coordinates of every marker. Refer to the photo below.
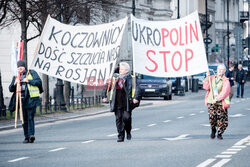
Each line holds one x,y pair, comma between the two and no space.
165,97
170,97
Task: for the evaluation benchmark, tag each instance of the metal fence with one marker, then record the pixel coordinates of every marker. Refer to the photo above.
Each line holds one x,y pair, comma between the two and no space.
76,103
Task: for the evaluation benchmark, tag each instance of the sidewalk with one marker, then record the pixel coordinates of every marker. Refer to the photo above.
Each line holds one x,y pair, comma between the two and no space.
54,117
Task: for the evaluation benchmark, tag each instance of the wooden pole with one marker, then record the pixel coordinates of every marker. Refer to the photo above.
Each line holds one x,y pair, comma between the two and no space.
17,96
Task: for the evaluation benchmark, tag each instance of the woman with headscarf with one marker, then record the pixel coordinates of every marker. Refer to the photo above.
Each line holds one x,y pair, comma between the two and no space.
217,100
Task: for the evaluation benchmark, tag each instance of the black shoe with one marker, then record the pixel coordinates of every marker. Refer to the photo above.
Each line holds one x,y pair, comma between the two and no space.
120,140
241,96
26,140
32,139
129,136
213,133
219,136
237,96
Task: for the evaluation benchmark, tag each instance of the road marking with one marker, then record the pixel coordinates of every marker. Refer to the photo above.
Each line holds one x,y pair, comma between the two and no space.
151,125
221,163
88,141
180,117
236,115
135,129
205,124
181,137
206,163
57,149
114,134
243,141
192,114
228,152
202,111
223,156
167,121
233,149
18,159
248,109
239,146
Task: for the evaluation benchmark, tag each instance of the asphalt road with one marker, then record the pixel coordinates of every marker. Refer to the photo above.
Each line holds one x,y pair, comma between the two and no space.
167,133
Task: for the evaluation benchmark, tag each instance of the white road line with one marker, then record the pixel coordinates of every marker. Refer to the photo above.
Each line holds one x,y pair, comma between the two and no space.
167,121
192,114
151,125
221,163
88,141
239,146
233,149
135,129
18,159
205,125
57,149
228,152
223,156
114,134
243,141
206,163
202,111
180,117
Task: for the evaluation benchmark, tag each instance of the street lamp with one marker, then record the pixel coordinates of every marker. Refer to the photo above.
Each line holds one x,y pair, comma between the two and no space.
59,85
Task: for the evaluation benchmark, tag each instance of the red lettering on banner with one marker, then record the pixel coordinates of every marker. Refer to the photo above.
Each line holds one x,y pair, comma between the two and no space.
181,44
165,59
186,57
156,65
186,33
171,36
163,31
195,32
175,53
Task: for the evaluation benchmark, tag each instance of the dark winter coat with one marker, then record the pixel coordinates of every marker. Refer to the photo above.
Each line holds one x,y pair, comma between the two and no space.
128,93
240,76
229,74
27,102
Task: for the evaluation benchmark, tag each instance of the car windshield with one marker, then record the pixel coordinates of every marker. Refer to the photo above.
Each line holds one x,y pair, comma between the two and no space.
151,77
214,68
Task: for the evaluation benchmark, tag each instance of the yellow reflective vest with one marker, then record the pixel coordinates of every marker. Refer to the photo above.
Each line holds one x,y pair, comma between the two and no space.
33,90
113,86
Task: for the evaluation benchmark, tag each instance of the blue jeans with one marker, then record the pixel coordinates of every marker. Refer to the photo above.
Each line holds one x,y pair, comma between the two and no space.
240,86
29,124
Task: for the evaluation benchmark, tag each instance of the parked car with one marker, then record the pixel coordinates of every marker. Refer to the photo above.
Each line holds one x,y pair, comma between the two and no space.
155,86
202,76
174,85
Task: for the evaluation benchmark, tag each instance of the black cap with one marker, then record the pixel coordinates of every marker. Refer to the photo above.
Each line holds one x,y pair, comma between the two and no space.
21,63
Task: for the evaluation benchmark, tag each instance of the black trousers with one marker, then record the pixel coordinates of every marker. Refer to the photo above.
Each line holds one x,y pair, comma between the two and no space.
123,121
29,123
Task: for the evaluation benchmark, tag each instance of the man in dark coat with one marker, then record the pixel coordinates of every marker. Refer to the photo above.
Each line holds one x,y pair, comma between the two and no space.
124,97
241,80
31,87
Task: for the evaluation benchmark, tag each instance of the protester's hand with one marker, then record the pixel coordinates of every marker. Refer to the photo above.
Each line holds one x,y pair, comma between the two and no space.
207,74
25,80
17,81
232,78
243,81
104,100
214,101
135,101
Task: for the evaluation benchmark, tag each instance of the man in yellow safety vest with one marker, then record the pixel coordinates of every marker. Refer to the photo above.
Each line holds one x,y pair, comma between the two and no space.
31,87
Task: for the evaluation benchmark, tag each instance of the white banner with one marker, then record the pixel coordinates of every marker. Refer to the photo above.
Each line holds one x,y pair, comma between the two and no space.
82,54
168,48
